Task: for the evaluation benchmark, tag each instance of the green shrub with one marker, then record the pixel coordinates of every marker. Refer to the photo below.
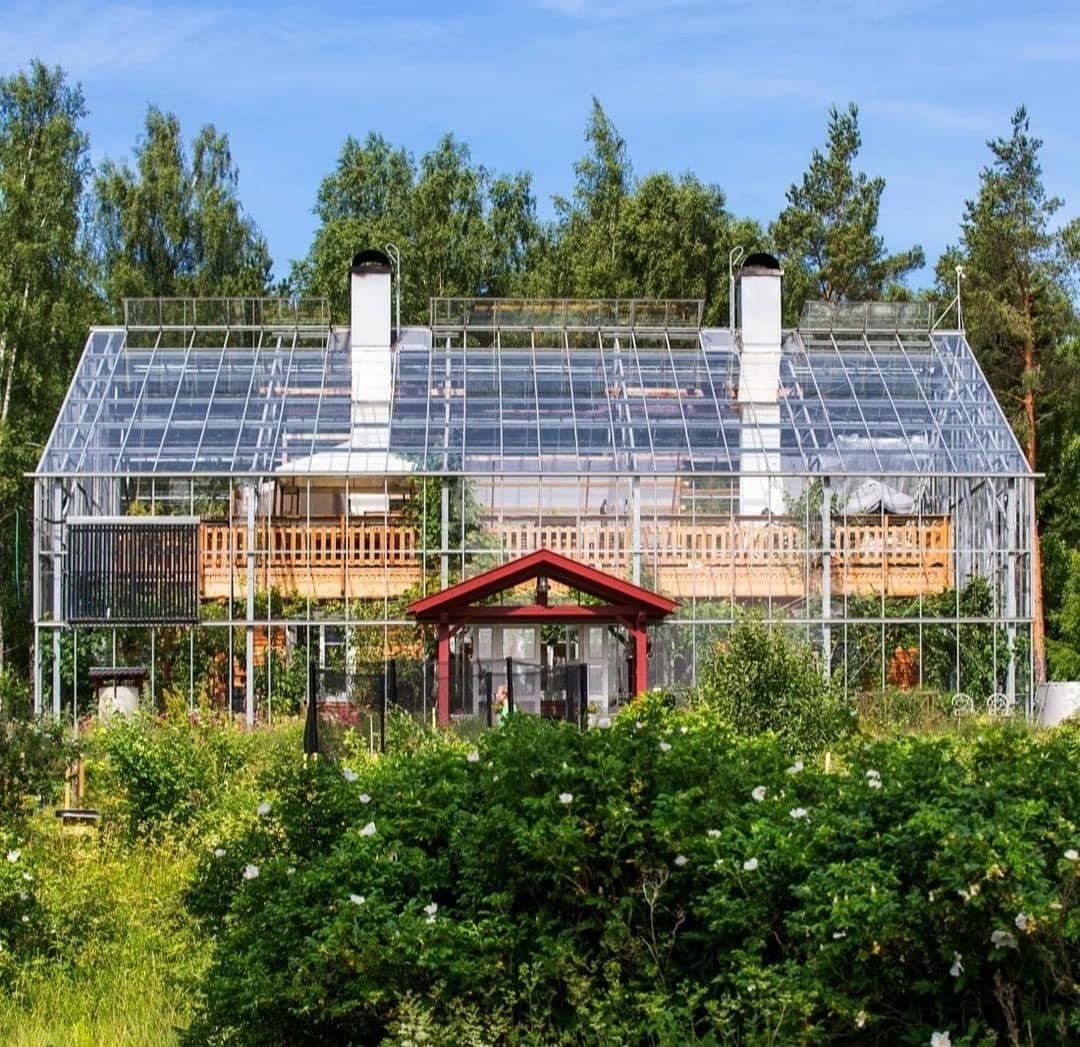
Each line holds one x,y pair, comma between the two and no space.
154,773
33,757
760,679
666,880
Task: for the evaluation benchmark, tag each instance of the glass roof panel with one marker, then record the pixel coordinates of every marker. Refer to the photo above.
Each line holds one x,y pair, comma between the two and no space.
900,402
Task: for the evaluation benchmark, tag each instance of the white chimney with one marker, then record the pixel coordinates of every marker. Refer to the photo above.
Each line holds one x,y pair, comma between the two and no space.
760,489
369,337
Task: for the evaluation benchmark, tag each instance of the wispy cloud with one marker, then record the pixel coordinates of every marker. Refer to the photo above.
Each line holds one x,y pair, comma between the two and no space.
88,38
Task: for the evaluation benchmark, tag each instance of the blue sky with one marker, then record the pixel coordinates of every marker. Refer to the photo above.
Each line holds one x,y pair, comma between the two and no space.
736,91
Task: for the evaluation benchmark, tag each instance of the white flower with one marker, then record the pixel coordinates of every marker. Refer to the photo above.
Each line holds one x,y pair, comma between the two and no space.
1021,921
837,935
473,757
665,747
759,793
957,967
940,1039
26,919
349,775
683,729
368,830
431,909
1072,854
874,783
1003,940
251,872
219,852
28,877
714,834
291,871
566,797
798,812
860,1019
681,860
364,798
357,899
14,855
263,809
873,774
796,767
750,864
638,725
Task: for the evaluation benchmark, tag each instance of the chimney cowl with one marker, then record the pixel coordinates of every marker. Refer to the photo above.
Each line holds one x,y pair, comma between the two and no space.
761,263
371,261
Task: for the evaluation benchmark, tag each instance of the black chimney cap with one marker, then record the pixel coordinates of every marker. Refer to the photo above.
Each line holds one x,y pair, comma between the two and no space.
761,260
370,261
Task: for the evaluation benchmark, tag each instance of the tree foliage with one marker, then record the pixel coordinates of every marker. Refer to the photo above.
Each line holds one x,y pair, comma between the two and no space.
658,237
1019,314
44,164
1016,298
45,299
461,230
173,224
828,232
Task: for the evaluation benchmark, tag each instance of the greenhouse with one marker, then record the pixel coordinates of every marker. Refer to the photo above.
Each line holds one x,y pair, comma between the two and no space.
237,489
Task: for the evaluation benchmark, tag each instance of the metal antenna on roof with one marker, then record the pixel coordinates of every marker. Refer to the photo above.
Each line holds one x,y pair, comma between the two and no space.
395,258
735,256
961,276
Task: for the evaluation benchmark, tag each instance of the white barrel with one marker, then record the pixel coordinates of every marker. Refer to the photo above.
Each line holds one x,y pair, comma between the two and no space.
117,698
1057,701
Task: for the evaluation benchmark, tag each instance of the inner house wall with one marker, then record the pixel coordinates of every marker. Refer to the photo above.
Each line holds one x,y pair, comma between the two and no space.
937,598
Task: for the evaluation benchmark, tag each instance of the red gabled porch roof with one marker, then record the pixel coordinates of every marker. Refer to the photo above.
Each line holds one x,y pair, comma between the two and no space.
556,568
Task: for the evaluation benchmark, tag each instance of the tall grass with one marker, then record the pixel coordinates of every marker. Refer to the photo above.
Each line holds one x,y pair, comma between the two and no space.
124,959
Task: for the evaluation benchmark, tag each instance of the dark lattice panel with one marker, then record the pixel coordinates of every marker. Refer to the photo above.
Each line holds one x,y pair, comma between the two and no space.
132,573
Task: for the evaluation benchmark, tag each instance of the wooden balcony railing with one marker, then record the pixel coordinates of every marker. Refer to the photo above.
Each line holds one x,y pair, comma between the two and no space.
735,558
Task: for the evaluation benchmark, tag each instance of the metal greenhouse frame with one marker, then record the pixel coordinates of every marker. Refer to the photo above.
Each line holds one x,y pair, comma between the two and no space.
218,498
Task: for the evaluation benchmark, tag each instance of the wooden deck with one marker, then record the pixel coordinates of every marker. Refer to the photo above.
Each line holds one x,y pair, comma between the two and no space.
744,559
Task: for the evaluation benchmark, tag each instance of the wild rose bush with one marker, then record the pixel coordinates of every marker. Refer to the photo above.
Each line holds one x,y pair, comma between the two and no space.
661,881
21,918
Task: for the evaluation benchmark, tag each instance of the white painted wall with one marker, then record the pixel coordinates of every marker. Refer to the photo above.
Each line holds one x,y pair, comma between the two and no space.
759,384
369,340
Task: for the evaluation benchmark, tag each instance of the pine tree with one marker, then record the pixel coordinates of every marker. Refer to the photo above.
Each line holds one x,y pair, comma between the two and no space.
1016,299
828,235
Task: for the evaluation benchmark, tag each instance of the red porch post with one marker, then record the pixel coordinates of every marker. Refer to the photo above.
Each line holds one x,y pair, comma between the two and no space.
444,674
641,656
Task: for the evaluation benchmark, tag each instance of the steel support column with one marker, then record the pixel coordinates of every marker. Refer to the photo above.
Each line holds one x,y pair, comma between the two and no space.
249,629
